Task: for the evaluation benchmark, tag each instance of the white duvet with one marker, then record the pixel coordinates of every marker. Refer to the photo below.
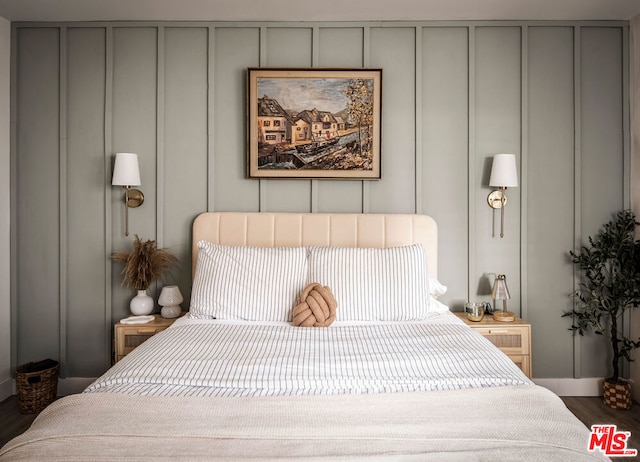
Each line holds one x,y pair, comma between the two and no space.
201,391
212,358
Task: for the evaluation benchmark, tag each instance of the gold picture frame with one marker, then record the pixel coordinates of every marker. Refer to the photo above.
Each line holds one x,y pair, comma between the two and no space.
314,123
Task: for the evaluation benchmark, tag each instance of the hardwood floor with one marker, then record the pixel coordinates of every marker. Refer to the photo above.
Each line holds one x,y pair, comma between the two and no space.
12,423
590,410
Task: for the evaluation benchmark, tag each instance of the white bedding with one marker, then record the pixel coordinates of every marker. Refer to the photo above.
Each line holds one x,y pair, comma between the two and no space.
213,358
519,423
211,390
202,390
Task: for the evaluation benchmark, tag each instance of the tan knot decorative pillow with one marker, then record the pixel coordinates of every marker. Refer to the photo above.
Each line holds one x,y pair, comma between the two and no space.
317,307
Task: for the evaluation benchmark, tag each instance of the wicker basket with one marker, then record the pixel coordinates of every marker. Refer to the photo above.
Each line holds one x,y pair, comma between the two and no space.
37,384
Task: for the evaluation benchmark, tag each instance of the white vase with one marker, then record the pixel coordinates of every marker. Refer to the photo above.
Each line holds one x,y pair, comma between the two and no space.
141,304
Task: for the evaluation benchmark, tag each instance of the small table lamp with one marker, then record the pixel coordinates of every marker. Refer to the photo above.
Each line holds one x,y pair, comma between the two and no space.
501,292
170,299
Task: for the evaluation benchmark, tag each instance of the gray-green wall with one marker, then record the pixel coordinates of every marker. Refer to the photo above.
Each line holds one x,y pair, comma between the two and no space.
454,94
5,210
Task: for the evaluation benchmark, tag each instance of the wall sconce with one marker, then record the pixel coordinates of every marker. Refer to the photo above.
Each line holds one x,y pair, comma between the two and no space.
501,292
126,173
503,175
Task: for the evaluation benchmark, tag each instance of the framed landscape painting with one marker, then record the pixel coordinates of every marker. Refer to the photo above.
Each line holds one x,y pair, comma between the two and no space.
314,123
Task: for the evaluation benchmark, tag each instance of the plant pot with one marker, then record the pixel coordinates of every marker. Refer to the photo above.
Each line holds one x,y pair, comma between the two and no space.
617,395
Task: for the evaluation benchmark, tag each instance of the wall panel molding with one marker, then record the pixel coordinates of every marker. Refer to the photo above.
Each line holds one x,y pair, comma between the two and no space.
63,201
549,175
471,155
37,192
524,169
160,130
211,82
108,215
175,92
577,180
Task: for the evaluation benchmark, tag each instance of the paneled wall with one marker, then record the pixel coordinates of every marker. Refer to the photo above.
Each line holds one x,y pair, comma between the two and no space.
5,210
634,50
454,94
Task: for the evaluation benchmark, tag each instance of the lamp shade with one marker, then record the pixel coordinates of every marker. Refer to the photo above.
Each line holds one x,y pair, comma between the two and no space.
500,289
503,171
170,295
126,171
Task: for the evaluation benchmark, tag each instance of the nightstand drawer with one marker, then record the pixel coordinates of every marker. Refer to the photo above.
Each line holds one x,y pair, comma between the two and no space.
511,340
143,331
132,340
129,336
523,363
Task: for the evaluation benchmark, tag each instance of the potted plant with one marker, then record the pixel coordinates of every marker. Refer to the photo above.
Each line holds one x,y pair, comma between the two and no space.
610,285
143,265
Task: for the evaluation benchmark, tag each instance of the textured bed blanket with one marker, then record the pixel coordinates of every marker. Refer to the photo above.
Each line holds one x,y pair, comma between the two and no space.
216,359
513,423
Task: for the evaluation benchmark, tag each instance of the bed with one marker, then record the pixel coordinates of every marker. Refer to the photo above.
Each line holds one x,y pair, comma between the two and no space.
393,376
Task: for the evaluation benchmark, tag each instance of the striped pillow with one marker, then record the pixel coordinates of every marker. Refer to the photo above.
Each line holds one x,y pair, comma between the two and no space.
389,284
247,283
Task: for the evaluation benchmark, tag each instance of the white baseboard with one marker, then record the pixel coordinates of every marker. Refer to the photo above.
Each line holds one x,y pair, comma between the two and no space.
590,386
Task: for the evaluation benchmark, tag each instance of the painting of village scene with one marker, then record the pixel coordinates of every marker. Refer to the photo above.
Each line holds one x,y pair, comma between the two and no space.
314,123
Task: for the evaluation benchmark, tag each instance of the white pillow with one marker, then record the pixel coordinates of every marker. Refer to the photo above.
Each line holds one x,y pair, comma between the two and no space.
436,306
436,288
389,284
247,283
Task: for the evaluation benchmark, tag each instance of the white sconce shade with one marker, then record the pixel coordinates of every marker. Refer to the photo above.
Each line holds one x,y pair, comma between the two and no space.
503,171
126,171
503,175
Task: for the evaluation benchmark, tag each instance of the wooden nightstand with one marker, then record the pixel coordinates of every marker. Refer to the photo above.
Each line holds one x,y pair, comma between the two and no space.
512,338
129,336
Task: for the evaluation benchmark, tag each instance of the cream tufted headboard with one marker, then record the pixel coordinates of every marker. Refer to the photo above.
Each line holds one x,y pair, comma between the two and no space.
319,229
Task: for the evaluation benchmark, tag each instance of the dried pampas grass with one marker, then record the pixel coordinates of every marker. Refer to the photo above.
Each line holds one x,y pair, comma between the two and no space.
144,264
